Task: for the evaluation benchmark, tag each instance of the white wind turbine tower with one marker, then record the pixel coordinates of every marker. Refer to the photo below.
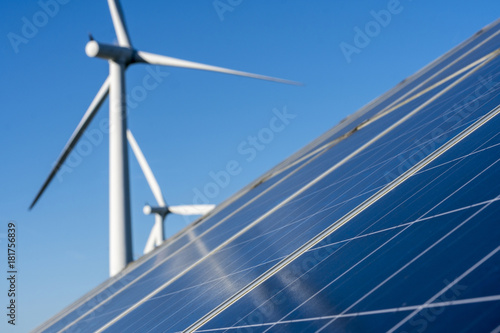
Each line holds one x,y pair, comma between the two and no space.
157,235
120,57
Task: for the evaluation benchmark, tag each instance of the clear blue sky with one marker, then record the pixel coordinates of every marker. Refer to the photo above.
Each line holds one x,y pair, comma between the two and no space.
192,123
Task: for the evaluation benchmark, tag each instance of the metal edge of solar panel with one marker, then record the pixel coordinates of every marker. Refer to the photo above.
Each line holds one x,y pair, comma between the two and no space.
247,189
366,108
161,297
464,49
319,143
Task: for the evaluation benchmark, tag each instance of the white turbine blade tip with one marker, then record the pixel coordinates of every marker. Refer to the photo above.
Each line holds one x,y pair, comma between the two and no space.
191,209
156,59
78,132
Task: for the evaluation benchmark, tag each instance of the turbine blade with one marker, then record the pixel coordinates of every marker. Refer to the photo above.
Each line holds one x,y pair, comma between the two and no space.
151,243
119,23
156,236
191,209
80,129
156,59
150,177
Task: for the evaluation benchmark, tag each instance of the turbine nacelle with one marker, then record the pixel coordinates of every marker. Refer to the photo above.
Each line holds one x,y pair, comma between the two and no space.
94,49
148,210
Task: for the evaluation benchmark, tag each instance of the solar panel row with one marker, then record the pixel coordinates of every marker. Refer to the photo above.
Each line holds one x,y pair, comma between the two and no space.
217,258
248,256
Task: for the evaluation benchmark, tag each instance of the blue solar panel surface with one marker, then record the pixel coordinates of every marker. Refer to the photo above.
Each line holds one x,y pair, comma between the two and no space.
334,285
289,227
386,263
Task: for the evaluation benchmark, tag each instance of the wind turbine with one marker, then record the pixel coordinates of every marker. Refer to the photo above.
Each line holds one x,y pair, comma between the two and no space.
157,235
120,57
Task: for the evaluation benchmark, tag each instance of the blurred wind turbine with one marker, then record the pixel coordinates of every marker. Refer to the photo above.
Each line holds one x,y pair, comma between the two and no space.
157,235
120,57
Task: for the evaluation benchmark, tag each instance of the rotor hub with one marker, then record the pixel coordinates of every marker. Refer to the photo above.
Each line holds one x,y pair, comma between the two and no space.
116,53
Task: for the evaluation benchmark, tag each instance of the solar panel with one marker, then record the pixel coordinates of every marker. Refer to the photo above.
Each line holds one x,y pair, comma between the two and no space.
367,228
